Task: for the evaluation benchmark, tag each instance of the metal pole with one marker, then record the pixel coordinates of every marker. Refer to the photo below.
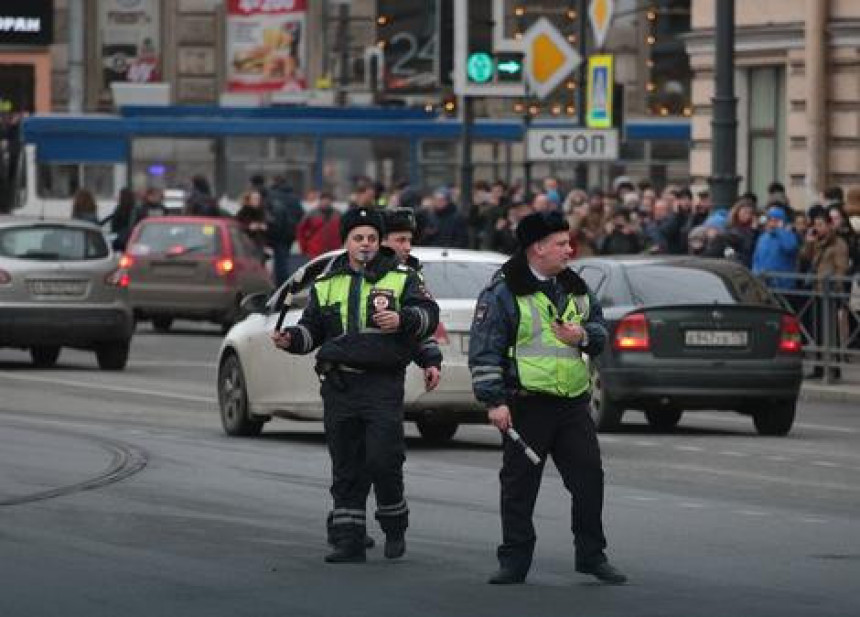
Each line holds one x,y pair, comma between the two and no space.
466,169
77,20
816,100
581,15
724,125
527,163
343,49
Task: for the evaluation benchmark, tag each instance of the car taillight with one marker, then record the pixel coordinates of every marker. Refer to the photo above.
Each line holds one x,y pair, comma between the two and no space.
790,340
5,277
441,335
632,334
224,266
126,261
118,278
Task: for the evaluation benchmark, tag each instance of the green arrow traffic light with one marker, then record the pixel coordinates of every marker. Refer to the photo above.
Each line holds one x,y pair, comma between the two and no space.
511,67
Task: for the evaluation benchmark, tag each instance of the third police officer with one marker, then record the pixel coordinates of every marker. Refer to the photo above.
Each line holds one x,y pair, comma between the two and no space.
530,330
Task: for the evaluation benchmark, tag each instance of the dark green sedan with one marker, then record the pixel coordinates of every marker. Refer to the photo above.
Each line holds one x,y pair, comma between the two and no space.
687,334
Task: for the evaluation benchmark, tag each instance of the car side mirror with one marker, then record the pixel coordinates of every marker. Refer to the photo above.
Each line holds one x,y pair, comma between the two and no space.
254,303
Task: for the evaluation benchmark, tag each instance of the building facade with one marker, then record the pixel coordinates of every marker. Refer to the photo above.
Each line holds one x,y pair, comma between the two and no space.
797,80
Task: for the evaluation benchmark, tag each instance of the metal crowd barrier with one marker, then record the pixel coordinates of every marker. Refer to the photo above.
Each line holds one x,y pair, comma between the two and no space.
829,316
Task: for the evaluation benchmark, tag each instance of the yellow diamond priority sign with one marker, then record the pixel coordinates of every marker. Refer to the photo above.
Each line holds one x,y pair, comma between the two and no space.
549,58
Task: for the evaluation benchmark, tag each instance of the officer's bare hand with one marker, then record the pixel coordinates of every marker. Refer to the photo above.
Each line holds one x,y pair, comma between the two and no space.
432,376
568,333
500,417
281,340
387,320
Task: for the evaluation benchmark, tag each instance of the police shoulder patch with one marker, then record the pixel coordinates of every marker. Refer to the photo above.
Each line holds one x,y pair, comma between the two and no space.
481,311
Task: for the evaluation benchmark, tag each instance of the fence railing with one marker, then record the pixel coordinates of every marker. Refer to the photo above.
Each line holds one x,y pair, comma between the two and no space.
828,310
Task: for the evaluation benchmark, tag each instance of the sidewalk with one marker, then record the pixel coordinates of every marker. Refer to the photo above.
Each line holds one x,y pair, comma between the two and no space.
847,390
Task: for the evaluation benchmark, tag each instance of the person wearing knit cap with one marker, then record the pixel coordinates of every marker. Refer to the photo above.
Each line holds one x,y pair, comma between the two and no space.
365,315
531,327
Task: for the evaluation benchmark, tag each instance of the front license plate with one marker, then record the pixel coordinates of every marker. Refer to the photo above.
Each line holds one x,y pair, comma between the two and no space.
715,338
58,288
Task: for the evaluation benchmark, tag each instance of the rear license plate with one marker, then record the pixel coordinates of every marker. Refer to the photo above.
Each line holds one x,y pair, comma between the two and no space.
715,338
58,288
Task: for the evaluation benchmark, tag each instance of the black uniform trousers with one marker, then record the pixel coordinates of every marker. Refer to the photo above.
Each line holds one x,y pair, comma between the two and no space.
563,428
364,430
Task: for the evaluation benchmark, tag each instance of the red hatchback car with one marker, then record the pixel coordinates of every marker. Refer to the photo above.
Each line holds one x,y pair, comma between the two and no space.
183,267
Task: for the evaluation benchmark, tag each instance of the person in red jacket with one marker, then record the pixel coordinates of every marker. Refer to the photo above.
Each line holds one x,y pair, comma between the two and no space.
319,231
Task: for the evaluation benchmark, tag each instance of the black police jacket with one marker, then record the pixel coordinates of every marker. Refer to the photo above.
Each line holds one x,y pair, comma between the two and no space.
494,327
322,327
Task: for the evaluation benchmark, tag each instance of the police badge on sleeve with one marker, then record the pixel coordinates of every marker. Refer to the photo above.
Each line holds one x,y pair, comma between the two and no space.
379,300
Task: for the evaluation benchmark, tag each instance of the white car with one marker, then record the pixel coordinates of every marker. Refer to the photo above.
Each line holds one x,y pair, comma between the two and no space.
257,381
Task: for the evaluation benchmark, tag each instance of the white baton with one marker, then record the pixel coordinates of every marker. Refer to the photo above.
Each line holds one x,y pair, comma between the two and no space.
515,437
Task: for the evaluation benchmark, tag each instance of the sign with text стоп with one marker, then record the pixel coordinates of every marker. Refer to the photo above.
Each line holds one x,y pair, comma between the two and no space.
573,144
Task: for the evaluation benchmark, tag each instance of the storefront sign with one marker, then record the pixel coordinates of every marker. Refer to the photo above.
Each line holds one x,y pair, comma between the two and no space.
266,47
130,41
26,22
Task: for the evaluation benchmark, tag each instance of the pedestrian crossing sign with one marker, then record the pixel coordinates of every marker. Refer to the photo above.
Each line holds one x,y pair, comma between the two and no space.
599,92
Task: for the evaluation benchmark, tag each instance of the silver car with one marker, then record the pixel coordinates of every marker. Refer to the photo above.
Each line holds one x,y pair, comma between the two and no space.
256,381
61,286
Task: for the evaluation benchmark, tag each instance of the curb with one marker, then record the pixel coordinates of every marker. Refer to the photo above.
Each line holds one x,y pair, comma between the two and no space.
830,394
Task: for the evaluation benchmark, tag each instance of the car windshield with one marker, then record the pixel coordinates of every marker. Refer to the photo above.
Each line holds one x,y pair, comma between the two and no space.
657,284
458,280
53,243
177,239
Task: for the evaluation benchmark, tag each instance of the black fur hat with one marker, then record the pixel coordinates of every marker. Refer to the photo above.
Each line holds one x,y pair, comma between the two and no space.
357,217
400,219
538,226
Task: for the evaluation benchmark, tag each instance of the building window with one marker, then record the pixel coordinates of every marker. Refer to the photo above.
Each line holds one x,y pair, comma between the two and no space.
766,118
168,163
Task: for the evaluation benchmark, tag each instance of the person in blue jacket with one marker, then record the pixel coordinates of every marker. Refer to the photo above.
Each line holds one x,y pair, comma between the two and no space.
776,249
531,328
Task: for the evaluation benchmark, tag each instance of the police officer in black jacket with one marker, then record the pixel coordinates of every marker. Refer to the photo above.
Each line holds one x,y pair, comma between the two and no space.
530,330
366,315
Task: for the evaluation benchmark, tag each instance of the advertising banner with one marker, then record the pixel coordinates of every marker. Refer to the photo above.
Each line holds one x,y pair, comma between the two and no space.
266,48
130,41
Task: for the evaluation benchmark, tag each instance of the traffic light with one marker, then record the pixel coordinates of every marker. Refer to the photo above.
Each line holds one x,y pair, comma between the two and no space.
482,68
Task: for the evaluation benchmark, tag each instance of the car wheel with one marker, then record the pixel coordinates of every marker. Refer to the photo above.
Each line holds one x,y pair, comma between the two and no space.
44,356
605,412
775,419
664,419
436,432
112,356
162,324
233,400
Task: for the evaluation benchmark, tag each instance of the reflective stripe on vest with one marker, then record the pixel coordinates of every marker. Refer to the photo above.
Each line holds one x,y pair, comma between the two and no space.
545,364
334,291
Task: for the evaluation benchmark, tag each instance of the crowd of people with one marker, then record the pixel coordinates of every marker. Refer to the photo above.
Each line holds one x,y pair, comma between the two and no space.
768,235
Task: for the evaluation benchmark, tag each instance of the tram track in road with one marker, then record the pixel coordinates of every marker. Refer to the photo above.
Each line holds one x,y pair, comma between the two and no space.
126,461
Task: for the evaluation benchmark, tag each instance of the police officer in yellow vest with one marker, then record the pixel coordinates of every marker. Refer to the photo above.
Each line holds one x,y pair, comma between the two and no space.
531,327
366,315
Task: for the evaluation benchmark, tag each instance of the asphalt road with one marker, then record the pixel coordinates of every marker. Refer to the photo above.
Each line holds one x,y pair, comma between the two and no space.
120,495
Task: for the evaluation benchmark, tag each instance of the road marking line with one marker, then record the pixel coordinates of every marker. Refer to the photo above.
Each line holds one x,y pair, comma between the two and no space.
813,520
692,505
110,388
733,453
689,448
644,443
777,458
177,363
825,464
641,498
751,512
738,420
